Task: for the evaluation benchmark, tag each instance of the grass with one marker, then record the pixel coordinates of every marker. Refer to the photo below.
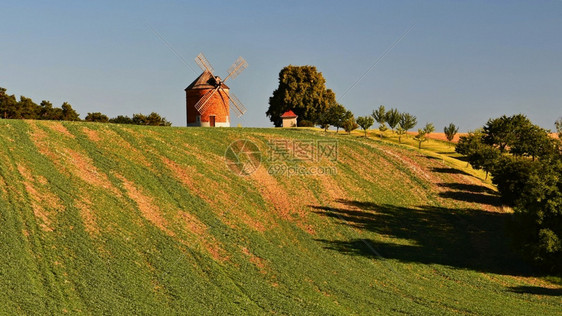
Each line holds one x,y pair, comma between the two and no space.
115,219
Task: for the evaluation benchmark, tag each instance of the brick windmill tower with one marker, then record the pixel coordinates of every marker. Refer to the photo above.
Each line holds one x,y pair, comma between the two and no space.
208,98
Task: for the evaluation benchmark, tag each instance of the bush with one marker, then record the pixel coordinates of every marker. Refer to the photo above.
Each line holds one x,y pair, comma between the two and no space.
305,123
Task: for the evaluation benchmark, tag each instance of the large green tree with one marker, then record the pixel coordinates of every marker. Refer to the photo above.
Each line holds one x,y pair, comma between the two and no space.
301,89
526,166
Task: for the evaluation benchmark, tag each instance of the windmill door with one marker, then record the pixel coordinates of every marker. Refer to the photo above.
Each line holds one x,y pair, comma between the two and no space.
212,120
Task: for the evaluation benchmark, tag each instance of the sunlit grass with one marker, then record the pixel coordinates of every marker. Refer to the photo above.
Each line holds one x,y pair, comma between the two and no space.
150,220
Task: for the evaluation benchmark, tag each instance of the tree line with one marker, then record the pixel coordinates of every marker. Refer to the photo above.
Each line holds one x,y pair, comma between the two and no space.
302,89
25,108
525,163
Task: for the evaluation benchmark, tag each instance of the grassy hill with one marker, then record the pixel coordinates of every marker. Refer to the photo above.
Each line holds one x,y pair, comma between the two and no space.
107,219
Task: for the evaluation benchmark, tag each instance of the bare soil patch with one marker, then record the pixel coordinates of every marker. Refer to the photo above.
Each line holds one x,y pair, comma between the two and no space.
146,205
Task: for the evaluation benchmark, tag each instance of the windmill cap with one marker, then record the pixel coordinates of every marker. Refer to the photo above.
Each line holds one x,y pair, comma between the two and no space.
289,114
205,81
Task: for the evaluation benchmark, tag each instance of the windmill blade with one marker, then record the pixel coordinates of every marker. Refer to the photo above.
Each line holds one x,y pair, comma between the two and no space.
201,104
239,65
239,108
203,63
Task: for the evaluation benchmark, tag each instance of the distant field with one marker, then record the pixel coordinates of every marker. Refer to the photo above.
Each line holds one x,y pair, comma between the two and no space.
116,219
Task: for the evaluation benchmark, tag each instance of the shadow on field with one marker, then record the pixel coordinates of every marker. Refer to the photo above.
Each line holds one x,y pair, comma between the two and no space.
537,290
471,193
449,171
463,238
467,187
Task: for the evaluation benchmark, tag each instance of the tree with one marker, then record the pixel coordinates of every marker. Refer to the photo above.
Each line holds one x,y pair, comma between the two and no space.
499,132
8,105
406,122
68,113
420,137
349,124
382,129
429,128
423,133
380,116
531,140
558,125
365,122
330,116
139,119
121,119
392,117
342,117
96,117
479,154
532,187
450,131
301,89
28,109
155,119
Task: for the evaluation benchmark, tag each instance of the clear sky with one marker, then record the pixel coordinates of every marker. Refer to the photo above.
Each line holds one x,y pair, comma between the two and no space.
462,62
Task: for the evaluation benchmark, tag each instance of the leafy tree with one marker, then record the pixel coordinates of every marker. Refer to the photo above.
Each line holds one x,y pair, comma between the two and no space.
382,129
96,117
406,122
479,155
8,105
365,122
68,113
305,123
499,132
332,116
558,125
46,110
301,89
380,116
139,119
155,119
420,137
429,128
349,124
341,118
392,117
532,187
121,119
28,109
450,131
423,133
531,140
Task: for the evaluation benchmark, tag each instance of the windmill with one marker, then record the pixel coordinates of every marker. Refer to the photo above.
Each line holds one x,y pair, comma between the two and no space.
208,98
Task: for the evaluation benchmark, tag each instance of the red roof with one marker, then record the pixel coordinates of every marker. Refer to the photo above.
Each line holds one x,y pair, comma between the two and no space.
289,114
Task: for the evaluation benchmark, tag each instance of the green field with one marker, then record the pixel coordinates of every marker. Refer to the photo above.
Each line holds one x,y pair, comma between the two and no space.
117,219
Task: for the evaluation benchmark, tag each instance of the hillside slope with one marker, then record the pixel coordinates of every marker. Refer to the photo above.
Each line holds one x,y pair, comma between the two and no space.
98,218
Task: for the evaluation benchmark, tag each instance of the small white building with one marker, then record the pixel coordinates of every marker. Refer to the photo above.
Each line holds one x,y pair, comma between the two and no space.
289,119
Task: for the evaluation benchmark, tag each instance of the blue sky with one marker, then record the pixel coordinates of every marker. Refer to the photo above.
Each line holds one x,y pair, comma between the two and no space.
463,62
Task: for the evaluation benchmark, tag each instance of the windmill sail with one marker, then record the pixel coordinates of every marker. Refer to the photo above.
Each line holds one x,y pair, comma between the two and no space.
201,104
203,63
239,108
239,65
